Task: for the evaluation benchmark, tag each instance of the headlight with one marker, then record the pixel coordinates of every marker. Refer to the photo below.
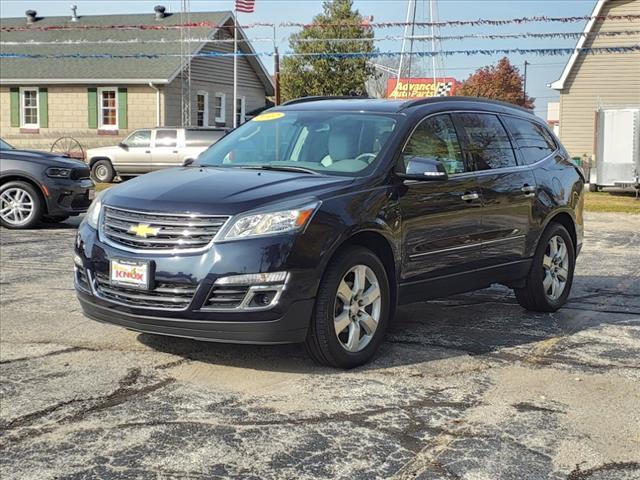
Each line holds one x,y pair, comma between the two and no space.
270,223
93,214
58,172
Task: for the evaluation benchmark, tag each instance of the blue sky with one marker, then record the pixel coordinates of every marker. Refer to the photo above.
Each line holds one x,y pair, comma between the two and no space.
543,69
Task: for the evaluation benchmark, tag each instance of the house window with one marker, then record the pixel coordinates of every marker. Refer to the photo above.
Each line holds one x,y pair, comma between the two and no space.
202,109
108,111
240,104
219,108
29,111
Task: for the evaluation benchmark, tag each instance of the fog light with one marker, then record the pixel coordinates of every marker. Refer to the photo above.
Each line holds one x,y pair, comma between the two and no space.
253,279
77,260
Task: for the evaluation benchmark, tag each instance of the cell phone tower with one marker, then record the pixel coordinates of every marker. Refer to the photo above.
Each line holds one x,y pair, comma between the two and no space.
185,59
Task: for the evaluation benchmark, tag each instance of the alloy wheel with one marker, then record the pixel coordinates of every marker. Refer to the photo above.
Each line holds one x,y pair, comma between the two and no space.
17,207
555,264
357,308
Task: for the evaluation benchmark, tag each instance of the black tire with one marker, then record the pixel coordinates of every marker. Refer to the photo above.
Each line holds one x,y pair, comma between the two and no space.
322,342
593,187
534,296
102,171
35,198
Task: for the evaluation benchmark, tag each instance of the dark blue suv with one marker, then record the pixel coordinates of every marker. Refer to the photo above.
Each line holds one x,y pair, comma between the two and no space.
315,220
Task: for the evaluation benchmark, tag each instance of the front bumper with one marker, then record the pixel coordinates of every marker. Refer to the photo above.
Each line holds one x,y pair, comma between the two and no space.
285,322
67,197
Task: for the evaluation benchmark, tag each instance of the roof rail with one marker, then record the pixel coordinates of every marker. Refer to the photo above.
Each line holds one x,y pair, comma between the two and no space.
423,101
323,97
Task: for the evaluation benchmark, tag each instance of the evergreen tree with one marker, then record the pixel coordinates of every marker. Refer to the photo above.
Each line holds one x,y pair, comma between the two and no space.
303,76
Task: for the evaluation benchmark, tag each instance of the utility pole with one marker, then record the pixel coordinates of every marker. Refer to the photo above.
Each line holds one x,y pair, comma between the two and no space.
524,84
185,58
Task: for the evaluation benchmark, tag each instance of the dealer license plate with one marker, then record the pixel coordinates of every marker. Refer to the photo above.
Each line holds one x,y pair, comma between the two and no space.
130,273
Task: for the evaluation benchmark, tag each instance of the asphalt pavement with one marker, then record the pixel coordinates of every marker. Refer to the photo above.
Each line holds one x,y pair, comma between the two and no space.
468,387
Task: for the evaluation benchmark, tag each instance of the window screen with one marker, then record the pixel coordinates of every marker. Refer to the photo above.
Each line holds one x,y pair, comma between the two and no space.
532,139
487,141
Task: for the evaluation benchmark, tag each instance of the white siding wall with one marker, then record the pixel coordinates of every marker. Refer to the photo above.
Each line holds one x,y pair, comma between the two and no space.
597,81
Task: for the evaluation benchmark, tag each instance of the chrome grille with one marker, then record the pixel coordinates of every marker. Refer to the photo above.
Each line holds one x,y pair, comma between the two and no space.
226,296
167,296
173,232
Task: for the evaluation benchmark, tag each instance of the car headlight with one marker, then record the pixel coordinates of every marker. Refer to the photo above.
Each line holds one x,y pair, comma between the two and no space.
93,213
270,223
55,172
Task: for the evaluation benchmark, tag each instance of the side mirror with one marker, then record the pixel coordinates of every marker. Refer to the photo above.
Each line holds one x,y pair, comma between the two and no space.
187,162
424,169
123,146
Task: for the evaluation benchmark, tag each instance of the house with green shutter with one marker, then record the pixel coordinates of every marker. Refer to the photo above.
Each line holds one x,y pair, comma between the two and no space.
98,77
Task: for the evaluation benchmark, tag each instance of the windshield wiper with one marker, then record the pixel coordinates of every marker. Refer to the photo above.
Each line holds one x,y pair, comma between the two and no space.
282,168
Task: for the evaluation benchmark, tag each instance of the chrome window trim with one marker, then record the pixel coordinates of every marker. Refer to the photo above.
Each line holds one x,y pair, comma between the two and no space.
482,172
103,238
462,247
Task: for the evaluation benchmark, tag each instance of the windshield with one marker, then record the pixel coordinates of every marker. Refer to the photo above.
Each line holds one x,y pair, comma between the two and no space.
4,145
333,143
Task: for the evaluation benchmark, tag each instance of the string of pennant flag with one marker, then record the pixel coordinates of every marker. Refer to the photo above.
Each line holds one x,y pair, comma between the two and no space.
506,51
479,36
448,23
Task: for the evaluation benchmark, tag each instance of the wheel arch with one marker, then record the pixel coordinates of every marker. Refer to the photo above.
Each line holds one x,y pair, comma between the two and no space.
565,219
97,158
379,244
15,177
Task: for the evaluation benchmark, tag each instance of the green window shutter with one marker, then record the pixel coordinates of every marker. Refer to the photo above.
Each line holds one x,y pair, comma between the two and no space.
15,107
122,108
43,102
93,107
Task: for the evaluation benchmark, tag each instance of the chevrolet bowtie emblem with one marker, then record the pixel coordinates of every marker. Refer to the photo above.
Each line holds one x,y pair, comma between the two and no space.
144,230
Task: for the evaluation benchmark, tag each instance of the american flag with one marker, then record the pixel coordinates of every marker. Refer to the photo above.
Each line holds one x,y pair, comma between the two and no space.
245,6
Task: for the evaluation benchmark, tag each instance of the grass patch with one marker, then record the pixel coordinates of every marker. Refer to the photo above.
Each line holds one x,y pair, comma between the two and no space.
616,202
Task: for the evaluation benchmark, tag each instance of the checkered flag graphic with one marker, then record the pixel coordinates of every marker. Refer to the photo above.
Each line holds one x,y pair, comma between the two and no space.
444,89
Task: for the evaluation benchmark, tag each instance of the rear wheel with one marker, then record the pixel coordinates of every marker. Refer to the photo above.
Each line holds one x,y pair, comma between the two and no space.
352,310
102,171
593,187
20,205
549,281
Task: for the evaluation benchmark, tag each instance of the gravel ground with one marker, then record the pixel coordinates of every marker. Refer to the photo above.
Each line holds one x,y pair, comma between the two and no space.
469,387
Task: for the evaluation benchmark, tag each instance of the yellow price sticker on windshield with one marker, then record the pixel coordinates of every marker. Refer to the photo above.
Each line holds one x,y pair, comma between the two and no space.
265,117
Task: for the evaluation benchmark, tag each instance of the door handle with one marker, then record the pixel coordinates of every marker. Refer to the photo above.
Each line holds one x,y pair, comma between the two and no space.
529,190
175,151
147,151
467,197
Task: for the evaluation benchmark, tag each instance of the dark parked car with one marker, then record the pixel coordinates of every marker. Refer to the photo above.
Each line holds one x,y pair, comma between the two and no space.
38,185
314,221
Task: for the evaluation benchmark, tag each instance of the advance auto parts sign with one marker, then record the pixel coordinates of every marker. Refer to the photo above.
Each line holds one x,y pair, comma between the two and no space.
421,87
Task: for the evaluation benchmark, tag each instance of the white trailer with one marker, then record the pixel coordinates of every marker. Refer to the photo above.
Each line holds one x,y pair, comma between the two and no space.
617,149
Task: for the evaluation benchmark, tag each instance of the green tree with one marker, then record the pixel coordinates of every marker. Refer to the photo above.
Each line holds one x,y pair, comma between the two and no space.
499,82
302,76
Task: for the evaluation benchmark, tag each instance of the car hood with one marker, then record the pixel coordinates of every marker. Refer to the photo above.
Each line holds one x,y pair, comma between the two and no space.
219,191
43,158
92,152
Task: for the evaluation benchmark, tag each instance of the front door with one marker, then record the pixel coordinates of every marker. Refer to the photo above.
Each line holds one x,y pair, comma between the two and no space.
508,187
441,219
165,153
135,154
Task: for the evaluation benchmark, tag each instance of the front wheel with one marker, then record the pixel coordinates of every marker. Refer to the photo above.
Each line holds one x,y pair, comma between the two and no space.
549,281
102,171
352,309
20,205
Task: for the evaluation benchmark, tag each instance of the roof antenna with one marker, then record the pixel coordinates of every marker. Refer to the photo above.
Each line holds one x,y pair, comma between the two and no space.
74,15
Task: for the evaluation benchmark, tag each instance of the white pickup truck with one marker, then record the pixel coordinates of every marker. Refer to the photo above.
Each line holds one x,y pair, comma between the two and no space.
150,149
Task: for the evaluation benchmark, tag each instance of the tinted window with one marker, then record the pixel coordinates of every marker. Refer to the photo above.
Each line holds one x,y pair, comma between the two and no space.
166,138
436,138
487,141
532,139
141,138
4,145
202,138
